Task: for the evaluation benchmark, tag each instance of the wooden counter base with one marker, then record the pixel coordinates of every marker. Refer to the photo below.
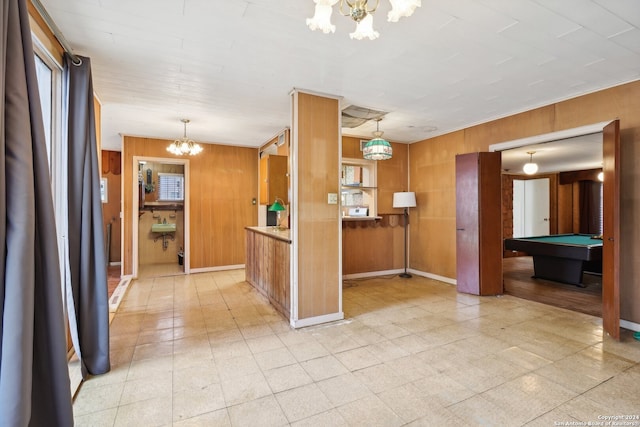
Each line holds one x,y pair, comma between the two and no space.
267,265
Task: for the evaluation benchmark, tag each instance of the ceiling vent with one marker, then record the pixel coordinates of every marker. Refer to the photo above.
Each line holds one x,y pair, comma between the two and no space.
354,116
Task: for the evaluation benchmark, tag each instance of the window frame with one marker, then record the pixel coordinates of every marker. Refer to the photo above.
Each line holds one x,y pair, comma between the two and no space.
161,193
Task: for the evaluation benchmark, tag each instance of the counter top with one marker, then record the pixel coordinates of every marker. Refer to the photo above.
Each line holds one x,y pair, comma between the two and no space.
283,234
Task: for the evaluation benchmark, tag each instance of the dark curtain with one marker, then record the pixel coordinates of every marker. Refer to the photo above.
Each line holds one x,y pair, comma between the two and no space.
34,378
590,207
87,255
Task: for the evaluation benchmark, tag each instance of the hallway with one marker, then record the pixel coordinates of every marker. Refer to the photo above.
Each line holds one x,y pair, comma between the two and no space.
206,349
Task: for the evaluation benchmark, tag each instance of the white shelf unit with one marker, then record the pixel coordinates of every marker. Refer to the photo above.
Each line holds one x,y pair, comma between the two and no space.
359,187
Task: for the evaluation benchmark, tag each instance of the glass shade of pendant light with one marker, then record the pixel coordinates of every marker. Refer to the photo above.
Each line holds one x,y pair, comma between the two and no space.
402,8
184,145
377,148
530,168
322,18
364,29
360,11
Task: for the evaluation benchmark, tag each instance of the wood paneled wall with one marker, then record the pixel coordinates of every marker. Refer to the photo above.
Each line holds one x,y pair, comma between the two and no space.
432,176
223,184
317,155
431,170
150,249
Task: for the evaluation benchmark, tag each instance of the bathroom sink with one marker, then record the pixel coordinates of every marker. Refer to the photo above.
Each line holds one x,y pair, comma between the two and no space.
163,228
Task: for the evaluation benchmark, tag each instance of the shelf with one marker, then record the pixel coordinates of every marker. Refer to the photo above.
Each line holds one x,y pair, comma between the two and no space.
358,187
361,218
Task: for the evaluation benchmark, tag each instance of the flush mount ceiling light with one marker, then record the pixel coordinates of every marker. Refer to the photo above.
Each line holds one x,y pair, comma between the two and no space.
377,148
530,168
360,11
184,145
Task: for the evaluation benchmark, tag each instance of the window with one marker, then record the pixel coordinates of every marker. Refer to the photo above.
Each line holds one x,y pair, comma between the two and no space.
44,74
170,187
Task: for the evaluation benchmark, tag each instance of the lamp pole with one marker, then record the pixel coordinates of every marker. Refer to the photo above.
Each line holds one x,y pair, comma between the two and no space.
406,200
406,223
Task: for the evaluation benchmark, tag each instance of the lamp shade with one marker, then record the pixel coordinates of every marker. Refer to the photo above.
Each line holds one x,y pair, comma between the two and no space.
277,206
530,168
406,199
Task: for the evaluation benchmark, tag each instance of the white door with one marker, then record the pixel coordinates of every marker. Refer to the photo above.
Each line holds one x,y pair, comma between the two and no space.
531,207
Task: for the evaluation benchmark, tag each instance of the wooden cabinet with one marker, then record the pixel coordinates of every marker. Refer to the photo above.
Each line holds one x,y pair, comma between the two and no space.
274,180
267,267
479,223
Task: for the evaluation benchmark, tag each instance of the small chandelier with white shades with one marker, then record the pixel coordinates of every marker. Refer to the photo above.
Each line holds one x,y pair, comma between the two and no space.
360,11
184,145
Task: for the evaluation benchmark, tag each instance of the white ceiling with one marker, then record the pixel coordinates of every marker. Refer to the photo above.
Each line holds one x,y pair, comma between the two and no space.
229,66
569,154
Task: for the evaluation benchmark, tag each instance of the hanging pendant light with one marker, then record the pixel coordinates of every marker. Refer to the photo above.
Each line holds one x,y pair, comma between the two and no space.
184,145
377,148
530,168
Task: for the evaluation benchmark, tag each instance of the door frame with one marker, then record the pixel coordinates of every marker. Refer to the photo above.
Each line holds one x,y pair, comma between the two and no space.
135,207
611,248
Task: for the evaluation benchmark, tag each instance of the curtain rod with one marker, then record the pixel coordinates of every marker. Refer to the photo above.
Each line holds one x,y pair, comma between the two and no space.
55,30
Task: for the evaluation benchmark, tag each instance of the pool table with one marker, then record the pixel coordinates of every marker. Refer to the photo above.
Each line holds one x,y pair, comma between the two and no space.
561,257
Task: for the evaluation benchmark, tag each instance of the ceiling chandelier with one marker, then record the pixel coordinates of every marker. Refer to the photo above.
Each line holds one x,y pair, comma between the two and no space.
184,145
361,12
377,148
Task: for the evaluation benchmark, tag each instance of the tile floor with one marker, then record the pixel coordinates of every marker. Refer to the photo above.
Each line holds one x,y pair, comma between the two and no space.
146,271
207,350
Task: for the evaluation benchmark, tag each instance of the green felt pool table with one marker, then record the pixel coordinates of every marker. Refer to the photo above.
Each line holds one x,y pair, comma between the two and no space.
561,257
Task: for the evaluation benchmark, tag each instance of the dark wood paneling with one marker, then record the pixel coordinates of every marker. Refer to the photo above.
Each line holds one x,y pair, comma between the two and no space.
611,230
478,223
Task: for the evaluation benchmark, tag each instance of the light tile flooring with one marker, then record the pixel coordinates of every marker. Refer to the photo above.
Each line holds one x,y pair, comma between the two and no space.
146,271
208,350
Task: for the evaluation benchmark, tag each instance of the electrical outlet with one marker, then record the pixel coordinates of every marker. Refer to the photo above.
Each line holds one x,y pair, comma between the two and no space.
332,198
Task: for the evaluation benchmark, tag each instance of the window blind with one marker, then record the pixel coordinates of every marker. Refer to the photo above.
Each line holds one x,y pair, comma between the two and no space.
170,186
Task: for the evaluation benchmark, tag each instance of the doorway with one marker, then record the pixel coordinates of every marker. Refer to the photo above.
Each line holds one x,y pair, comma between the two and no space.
160,217
609,135
530,207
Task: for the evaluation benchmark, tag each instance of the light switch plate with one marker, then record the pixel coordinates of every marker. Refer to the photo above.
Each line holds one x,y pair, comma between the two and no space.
332,198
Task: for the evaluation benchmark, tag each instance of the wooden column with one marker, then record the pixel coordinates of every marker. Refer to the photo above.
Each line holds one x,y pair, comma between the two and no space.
316,274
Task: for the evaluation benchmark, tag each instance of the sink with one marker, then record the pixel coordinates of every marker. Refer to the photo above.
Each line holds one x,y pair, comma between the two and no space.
163,228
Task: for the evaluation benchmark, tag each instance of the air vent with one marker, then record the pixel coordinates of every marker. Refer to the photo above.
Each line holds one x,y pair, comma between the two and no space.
354,116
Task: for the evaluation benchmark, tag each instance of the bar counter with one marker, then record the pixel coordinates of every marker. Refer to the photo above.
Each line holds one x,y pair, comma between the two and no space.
267,265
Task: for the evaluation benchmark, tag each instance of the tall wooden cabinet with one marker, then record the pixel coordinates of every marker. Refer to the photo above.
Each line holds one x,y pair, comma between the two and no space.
274,180
479,223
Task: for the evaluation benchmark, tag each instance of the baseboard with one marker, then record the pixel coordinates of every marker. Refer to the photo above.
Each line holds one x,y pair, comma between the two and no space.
630,325
317,320
371,274
118,293
434,276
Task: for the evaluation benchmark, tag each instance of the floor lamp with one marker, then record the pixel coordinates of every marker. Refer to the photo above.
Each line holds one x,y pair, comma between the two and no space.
406,200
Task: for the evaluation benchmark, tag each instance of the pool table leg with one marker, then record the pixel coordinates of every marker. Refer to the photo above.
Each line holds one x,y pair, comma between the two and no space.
566,270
